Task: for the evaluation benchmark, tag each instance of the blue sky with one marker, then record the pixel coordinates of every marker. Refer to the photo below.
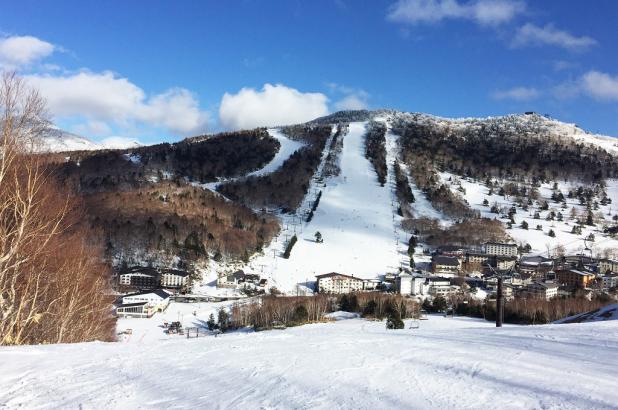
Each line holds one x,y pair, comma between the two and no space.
159,70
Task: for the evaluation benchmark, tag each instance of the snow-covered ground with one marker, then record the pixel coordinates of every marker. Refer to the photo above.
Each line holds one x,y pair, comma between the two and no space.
151,329
58,140
446,364
539,240
356,220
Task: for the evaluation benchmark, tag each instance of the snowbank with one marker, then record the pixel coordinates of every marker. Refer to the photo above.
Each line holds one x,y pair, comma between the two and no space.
341,315
609,312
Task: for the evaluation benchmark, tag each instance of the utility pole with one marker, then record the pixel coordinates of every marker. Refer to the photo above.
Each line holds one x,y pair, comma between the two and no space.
499,303
499,298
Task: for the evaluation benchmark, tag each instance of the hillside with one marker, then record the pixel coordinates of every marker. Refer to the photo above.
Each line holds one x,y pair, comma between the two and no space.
609,312
58,140
367,181
446,363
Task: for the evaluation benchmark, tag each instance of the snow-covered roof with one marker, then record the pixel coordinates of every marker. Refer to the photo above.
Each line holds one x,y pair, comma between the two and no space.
335,274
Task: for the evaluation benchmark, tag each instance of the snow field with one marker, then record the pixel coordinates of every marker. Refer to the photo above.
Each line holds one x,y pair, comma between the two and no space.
446,363
476,192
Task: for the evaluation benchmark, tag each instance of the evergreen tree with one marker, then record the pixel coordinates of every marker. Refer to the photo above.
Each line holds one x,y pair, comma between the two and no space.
524,225
551,233
439,304
348,303
590,219
318,237
223,320
212,325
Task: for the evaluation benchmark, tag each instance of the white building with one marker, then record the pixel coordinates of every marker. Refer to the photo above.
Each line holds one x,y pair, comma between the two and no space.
545,290
407,284
230,280
140,277
141,310
159,298
440,286
610,280
338,283
403,284
608,265
505,262
371,284
172,278
501,249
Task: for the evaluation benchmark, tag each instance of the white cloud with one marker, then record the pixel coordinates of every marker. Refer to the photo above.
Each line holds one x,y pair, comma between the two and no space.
350,98
273,105
600,86
92,128
517,94
351,102
484,12
107,98
21,51
532,35
595,84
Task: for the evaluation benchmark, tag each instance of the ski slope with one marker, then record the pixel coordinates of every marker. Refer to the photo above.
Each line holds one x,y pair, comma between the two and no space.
459,363
286,148
355,218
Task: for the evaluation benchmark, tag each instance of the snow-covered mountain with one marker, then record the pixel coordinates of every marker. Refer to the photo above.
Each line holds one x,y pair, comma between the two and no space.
545,185
57,140
361,223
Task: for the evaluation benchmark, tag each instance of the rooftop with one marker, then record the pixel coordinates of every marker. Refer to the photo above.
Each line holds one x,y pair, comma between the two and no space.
446,260
158,292
334,274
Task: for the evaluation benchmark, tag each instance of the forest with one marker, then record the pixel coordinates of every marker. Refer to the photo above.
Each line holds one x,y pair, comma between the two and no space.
159,223
200,159
375,150
491,149
285,188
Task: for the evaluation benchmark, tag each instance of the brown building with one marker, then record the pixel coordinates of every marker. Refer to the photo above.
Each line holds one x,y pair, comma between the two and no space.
574,278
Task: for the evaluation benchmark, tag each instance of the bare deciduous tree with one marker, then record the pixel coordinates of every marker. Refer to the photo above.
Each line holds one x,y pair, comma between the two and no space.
53,284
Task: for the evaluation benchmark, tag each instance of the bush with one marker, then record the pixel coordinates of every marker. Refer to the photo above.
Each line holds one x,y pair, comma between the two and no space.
394,323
